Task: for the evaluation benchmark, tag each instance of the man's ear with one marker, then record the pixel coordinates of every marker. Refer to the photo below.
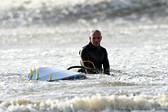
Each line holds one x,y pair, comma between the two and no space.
101,38
90,38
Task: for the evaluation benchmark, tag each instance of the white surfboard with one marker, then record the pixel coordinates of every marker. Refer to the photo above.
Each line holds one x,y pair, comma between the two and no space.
52,74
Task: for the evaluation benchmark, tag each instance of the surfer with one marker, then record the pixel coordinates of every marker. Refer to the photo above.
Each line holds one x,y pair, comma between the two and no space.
96,54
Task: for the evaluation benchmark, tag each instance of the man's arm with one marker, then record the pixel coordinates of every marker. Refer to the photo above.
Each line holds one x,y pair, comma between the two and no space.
106,65
83,54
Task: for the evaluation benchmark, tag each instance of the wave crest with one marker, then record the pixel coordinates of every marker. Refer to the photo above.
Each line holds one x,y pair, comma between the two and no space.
51,13
90,104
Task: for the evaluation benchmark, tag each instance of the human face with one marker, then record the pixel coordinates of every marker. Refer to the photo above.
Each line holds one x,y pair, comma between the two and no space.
96,38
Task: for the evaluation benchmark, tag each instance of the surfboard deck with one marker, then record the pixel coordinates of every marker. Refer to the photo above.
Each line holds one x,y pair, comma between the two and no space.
53,74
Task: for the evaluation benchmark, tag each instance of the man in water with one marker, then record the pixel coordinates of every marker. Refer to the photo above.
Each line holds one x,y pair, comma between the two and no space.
94,56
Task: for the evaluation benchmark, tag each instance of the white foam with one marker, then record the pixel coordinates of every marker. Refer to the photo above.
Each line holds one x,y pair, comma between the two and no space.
95,103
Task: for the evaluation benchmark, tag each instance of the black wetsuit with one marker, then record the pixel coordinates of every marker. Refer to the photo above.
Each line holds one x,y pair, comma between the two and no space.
98,55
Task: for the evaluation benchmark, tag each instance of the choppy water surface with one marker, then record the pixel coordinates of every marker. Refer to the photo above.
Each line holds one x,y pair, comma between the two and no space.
137,51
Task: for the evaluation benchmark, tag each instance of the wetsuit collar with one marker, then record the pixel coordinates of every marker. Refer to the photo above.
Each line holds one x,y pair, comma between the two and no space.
94,47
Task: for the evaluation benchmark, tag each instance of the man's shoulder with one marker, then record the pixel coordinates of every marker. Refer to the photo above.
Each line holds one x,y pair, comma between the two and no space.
85,47
103,48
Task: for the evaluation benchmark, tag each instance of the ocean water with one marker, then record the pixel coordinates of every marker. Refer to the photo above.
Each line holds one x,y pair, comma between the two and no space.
38,33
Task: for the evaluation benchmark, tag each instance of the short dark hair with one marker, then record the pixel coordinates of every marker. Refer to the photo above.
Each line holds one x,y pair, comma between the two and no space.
93,31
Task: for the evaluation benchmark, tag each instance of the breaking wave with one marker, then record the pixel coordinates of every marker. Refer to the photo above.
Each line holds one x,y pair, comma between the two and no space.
89,104
51,12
